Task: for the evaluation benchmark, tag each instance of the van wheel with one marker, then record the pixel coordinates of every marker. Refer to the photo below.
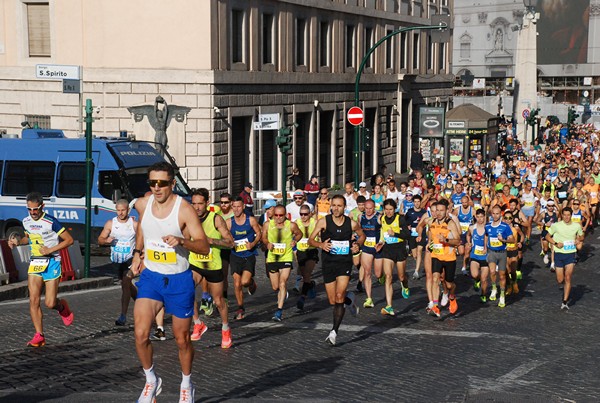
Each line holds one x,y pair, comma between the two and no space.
15,232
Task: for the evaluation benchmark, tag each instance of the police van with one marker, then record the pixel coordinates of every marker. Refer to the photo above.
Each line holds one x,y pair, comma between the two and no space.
45,161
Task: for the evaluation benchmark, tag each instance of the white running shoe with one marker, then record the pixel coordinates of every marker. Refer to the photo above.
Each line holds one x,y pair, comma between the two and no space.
151,390
444,299
564,307
331,338
493,294
186,395
546,259
415,275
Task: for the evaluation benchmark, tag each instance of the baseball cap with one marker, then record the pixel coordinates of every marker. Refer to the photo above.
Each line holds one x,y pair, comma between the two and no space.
362,185
409,193
270,203
249,185
298,192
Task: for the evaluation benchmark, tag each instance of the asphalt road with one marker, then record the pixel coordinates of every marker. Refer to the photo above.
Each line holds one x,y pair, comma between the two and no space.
528,351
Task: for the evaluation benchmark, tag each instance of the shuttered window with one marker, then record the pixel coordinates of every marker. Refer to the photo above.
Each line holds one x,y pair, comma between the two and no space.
38,28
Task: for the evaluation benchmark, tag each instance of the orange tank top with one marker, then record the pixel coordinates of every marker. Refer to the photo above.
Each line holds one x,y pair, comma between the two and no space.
441,251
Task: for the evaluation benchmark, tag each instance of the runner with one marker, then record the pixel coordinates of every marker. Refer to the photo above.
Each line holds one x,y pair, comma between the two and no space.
279,236
545,220
119,233
307,256
464,213
246,235
564,236
497,234
479,266
355,215
169,229
370,222
513,250
337,243
226,212
413,217
323,203
208,268
46,238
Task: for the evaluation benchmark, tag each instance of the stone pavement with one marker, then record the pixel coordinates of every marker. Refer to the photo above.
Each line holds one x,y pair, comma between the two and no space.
528,351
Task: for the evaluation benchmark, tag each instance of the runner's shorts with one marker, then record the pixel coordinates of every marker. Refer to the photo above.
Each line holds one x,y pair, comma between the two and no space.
498,257
175,291
212,276
449,268
52,272
563,259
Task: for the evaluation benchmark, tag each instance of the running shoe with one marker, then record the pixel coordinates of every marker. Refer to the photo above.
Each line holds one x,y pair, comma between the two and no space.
444,300
369,303
359,287
353,307
252,287
552,269
508,289
298,285
312,291
464,271
203,304
300,303
405,291
388,310
429,306
199,330
501,301
121,321
477,285
66,315
278,315
546,260
150,391
494,293
483,299
331,338
210,308
515,288
38,340
159,335
381,280
519,275
226,341
187,395
415,275
240,314
435,310
453,306
542,253
563,307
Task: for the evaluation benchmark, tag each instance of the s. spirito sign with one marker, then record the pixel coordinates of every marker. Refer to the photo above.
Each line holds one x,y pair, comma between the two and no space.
56,72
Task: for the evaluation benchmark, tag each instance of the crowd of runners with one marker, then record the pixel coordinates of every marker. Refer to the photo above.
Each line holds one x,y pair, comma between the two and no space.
474,218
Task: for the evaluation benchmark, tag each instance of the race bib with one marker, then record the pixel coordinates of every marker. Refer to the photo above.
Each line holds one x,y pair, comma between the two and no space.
528,203
479,250
278,248
494,242
340,247
160,252
122,247
569,245
511,245
594,194
437,248
477,206
302,244
370,242
378,206
205,258
413,232
391,239
562,195
241,245
38,265
464,226
576,218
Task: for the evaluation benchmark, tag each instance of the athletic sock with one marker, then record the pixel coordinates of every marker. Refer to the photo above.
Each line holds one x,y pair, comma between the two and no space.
186,380
338,315
435,302
160,327
150,375
225,326
205,295
197,321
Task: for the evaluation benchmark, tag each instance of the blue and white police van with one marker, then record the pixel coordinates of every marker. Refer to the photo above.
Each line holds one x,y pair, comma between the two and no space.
46,161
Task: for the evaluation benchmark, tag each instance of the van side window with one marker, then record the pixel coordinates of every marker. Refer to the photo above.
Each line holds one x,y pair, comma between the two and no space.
71,179
23,177
108,182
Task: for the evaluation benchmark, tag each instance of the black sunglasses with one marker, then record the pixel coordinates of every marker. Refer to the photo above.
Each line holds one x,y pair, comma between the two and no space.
160,182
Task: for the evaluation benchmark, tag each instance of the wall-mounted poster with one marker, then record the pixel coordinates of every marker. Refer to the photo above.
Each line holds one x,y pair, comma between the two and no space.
457,147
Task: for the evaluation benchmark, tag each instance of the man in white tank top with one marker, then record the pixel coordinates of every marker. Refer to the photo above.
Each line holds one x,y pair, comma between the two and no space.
169,229
119,234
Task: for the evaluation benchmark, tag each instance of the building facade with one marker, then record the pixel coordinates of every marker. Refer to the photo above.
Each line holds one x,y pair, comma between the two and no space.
229,62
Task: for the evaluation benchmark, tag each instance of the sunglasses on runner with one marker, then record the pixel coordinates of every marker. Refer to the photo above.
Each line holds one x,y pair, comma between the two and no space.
278,215
304,214
160,182
38,208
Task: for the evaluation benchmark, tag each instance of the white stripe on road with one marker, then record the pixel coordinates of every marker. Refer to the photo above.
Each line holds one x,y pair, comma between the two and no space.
92,290
378,329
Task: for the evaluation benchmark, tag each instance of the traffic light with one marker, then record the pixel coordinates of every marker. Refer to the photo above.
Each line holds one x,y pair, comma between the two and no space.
284,139
573,115
532,119
366,139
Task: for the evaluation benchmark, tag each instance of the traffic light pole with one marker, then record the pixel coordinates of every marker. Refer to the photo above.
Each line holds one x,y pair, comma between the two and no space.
442,25
88,184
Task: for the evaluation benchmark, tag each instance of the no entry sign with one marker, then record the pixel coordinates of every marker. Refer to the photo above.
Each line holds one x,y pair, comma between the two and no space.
355,116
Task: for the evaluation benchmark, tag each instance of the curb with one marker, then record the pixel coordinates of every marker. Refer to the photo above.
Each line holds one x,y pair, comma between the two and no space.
20,290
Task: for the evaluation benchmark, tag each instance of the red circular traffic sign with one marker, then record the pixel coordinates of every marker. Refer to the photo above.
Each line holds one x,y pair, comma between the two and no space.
355,116
525,113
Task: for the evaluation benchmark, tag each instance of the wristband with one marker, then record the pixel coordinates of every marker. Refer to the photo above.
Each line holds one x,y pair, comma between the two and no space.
137,251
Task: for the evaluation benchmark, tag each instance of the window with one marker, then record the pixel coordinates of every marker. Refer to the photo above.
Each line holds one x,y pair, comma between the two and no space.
238,36
369,45
324,49
350,46
465,47
23,177
38,29
430,53
38,121
268,38
389,51
404,50
301,41
416,51
441,57
71,179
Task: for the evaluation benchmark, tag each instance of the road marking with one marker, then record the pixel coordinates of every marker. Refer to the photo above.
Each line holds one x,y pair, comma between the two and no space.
378,329
508,380
26,300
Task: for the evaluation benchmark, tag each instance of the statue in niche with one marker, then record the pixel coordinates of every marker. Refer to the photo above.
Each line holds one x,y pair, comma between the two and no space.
499,40
159,116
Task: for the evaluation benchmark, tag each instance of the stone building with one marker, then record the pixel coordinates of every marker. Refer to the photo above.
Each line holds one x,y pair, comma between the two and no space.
230,61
